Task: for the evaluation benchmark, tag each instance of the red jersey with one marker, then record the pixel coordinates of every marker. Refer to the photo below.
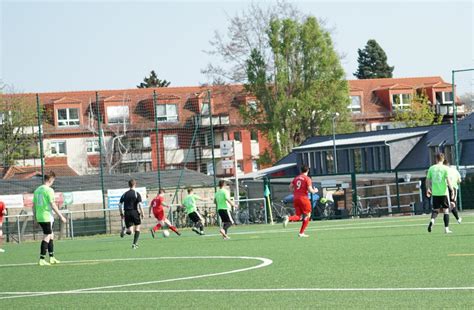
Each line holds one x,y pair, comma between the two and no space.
157,207
301,184
2,208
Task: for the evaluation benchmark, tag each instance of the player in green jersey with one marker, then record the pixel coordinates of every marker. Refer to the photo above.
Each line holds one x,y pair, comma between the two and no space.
437,184
43,207
222,198
455,179
189,204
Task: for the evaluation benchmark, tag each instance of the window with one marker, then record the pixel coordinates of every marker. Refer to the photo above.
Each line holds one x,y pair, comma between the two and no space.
357,160
4,116
146,142
237,136
381,127
444,97
170,142
58,148
225,120
401,101
254,165
252,105
205,108
240,166
329,162
166,113
354,106
117,115
68,117
210,169
254,136
92,146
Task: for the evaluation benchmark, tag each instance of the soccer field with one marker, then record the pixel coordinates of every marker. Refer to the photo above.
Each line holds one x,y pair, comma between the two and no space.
363,263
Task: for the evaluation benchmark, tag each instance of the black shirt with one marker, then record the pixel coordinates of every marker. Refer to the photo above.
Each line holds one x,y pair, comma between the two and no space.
130,200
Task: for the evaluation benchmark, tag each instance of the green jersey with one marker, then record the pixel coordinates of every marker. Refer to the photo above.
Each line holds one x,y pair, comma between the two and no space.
42,200
454,177
438,174
190,203
221,199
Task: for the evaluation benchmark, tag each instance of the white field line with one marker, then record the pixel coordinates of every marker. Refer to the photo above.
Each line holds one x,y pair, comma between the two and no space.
264,262
252,290
326,228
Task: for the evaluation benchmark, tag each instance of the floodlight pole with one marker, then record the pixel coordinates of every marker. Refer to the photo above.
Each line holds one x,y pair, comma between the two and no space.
334,139
455,130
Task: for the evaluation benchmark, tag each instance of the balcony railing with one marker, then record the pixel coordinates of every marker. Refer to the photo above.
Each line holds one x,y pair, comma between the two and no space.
134,157
447,109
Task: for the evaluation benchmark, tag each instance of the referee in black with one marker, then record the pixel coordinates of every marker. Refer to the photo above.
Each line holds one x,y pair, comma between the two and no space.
131,201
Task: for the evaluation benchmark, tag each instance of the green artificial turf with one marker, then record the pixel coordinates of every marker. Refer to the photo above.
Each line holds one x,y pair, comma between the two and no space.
385,253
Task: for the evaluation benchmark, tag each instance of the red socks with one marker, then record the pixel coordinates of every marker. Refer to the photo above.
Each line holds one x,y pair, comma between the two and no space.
294,218
157,227
173,228
304,225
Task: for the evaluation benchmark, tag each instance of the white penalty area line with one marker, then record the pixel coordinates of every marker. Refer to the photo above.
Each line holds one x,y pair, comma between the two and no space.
253,290
264,262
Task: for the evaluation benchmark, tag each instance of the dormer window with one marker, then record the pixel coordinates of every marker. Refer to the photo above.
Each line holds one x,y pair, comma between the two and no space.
401,101
252,104
354,106
68,117
205,108
444,97
166,113
117,115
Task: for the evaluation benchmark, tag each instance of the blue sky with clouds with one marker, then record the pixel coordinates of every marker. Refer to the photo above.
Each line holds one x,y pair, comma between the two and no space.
71,45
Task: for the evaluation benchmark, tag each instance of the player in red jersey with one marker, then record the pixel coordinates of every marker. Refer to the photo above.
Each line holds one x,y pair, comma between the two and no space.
157,205
3,212
300,187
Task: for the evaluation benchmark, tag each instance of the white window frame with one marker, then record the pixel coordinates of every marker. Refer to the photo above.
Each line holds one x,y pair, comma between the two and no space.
252,104
93,145
121,108
203,110
444,97
68,122
167,143
354,108
55,145
254,165
401,105
146,142
167,118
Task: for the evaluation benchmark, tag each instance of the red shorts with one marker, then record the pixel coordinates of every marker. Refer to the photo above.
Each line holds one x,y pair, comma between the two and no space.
160,215
302,205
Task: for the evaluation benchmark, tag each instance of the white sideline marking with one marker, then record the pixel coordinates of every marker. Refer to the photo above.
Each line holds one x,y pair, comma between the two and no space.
251,290
264,262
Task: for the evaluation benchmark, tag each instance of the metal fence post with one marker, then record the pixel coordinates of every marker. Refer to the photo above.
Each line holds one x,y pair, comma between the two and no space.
18,227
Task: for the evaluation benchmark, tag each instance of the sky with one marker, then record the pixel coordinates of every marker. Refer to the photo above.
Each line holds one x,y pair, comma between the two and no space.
92,45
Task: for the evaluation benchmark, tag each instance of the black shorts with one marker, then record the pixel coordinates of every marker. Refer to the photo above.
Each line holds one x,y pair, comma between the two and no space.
47,227
453,194
225,216
440,202
132,218
194,216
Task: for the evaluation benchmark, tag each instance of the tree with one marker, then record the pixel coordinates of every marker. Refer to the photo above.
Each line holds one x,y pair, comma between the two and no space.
373,62
246,31
18,120
420,113
153,81
306,87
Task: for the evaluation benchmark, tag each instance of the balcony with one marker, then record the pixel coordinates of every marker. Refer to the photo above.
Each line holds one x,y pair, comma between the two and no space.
137,157
447,109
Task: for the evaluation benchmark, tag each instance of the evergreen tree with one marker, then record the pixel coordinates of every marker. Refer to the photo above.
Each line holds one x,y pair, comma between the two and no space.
373,62
153,81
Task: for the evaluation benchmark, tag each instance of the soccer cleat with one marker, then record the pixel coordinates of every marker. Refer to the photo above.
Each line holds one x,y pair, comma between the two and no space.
459,220
226,238
196,230
53,260
2,251
429,226
134,246
152,233
285,221
178,233
122,232
224,235
42,262
303,235
201,233
447,231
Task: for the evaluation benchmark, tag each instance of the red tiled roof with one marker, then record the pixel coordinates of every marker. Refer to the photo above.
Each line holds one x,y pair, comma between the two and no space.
27,172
